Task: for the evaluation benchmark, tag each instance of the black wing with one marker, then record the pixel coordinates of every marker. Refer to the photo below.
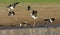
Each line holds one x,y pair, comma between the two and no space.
15,4
34,13
9,6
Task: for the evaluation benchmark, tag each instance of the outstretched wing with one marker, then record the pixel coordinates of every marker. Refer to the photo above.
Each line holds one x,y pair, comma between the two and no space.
15,4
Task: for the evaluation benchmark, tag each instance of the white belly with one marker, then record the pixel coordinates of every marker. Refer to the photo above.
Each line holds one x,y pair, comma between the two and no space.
11,7
34,17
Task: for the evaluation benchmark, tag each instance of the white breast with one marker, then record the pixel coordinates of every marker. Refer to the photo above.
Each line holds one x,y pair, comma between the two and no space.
11,7
34,17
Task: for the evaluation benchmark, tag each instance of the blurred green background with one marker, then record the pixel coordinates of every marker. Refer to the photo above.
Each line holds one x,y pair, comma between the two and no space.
31,1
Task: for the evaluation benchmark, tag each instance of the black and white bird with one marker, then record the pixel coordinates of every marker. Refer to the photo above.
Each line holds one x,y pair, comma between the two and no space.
11,8
34,14
28,8
49,21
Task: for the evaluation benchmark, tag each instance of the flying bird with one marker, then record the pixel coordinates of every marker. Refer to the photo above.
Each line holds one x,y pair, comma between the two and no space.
34,14
11,8
49,21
